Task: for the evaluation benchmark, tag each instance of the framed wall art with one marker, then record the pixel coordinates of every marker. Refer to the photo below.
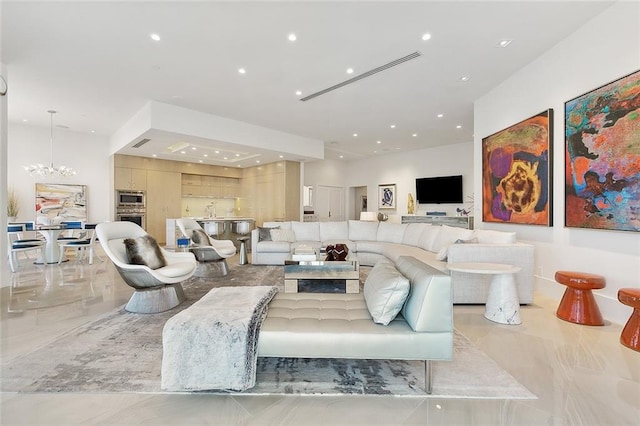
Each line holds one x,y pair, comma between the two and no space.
387,196
602,157
517,173
59,202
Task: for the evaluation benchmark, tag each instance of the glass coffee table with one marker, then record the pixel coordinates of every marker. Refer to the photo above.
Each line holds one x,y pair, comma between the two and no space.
318,275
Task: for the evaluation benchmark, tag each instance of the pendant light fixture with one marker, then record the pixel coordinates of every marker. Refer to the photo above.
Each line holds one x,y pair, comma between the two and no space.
50,171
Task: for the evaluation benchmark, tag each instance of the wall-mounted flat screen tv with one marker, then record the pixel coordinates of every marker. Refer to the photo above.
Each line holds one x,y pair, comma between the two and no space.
439,190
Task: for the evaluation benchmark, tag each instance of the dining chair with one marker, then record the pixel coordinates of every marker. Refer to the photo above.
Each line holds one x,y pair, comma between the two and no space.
73,230
16,244
82,244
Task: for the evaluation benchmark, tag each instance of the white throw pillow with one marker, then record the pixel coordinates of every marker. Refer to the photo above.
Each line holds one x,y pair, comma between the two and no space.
286,235
449,235
487,236
385,292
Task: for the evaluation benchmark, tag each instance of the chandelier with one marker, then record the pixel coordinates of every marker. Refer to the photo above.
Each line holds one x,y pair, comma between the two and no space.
50,171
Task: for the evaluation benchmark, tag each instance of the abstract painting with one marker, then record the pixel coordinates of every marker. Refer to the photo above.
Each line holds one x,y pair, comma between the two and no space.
602,158
517,173
59,202
387,196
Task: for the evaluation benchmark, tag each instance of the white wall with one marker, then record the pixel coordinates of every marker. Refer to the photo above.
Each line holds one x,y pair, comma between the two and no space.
604,49
87,154
401,169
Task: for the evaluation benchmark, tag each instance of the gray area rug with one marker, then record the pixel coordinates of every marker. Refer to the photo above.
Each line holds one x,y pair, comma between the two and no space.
122,352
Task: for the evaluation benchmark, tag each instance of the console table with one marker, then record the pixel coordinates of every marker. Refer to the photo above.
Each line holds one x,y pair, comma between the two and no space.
457,221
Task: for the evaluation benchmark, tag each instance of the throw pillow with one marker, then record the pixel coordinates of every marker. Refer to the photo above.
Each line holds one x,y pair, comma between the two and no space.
385,292
264,234
199,237
444,252
144,251
286,235
337,252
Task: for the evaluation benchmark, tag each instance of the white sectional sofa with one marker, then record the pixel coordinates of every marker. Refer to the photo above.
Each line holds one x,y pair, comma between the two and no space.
433,245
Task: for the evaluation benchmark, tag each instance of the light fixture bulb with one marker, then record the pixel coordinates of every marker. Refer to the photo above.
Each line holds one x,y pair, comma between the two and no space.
292,37
349,70
242,71
426,36
154,37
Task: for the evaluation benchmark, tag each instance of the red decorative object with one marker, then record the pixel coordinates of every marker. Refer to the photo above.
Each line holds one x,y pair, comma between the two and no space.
577,304
337,252
630,336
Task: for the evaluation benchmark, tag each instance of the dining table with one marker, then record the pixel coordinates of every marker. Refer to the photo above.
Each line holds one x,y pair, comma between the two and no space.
51,249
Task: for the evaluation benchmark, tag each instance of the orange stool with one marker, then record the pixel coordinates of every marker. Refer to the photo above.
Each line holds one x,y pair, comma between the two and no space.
577,304
630,336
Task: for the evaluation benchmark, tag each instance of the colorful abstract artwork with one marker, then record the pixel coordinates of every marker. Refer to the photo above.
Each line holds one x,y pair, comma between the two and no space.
59,202
516,173
602,158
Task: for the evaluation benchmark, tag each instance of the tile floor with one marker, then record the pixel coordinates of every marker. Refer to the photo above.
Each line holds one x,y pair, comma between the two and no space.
582,375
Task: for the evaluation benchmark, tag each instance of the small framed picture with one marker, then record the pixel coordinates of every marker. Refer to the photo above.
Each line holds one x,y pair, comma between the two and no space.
363,203
387,196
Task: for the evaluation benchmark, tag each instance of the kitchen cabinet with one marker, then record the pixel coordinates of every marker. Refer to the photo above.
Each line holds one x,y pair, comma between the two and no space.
210,186
129,178
163,201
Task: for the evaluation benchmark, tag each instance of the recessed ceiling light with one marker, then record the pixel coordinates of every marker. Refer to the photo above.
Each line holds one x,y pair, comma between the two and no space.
298,93
182,152
238,165
237,155
426,36
458,126
193,148
355,135
217,152
440,115
292,37
257,161
206,155
242,71
199,161
154,155
342,156
393,126
154,37
504,42
93,131
378,141
225,158
465,78
414,135
349,70
282,156
375,152
24,120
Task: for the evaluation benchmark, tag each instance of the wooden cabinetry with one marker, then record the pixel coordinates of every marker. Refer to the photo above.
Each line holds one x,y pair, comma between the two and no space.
128,178
210,186
163,201
272,192
457,221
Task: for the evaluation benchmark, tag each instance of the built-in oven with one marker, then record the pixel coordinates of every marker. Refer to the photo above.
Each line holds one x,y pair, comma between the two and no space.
136,216
130,199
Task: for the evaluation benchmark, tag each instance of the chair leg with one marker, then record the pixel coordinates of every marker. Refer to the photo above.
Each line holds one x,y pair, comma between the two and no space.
427,376
90,255
11,261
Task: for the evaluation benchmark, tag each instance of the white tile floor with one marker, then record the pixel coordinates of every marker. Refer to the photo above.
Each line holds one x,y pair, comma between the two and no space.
582,375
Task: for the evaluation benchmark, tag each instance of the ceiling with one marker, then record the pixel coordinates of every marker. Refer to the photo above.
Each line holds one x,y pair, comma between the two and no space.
95,63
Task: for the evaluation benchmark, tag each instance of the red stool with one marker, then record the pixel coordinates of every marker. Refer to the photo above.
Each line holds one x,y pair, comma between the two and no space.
577,304
630,336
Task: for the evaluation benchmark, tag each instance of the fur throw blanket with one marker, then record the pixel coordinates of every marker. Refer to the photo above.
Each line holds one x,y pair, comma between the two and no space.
212,344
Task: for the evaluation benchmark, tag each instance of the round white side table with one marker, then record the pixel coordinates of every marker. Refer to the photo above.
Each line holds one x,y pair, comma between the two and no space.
503,304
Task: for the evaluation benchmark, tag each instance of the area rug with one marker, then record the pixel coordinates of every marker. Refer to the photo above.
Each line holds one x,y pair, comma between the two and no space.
122,352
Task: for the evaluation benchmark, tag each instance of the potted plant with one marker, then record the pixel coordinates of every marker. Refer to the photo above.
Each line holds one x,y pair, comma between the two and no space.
13,207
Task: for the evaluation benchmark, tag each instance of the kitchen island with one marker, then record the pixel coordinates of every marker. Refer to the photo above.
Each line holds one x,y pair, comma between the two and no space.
220,228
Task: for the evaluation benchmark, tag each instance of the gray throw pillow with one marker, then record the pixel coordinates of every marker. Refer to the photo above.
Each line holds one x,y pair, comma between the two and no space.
199,237
264,234
144,251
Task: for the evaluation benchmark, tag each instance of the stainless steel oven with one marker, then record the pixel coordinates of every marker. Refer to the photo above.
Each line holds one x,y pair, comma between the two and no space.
130,200
136,216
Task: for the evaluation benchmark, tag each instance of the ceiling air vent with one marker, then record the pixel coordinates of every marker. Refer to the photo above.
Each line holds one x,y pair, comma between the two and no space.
369,73
142,142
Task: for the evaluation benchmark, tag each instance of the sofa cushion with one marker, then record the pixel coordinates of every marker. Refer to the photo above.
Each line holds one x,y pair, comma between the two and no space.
370,247
413,232
360,230
487,236
391,232
306,231
334,231
273,247
385,291
287,235
429,238
449,235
